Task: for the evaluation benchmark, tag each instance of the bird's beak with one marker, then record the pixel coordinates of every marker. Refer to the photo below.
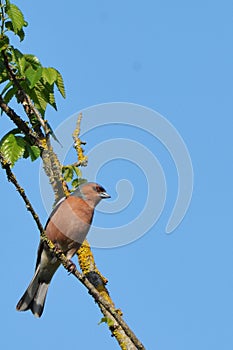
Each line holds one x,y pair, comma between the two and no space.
105,195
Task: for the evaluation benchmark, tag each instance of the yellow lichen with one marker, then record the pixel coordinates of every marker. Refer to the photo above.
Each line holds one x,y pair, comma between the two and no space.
78,143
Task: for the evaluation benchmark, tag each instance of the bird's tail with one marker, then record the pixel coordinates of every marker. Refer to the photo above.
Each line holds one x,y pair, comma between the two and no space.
34,297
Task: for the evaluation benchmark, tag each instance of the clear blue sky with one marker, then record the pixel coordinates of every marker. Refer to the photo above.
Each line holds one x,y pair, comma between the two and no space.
175,290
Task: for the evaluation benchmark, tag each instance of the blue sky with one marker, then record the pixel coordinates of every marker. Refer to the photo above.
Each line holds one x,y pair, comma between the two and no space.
175,290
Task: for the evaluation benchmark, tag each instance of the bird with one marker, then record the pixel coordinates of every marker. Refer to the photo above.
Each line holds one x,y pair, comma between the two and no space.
67,227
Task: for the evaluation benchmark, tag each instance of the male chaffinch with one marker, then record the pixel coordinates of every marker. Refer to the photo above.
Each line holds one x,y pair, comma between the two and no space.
67,228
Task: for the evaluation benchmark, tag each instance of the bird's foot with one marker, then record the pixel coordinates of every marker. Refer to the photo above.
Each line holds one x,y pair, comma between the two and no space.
71,267
57,250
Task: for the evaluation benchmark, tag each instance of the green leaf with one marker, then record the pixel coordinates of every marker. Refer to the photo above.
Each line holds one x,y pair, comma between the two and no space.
40,97
33,76
77,182
53,134
12,147
49,75
16,17
4,42
9,25
45,94
3,77
19,60
60,84
8,85
21,34
52,101
33,152
67,172
40,102
33,60
10,94
77,171
107,320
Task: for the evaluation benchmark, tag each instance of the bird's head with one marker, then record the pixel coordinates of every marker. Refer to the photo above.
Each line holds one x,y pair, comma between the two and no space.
92,193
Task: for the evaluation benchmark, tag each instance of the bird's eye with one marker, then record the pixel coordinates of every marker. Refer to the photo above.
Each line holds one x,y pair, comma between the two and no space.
98,189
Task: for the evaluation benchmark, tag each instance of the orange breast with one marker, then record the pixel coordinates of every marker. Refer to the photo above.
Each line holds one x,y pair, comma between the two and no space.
70,224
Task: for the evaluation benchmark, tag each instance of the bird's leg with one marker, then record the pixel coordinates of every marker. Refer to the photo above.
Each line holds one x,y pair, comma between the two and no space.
71,267
57,249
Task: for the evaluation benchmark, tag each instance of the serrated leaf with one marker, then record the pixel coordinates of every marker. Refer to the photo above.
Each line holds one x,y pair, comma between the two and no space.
33,60
49,75
33,76
52,101
40,96
67,172
40,102
16,17
22,65
60,84
12,148
45,92
19,60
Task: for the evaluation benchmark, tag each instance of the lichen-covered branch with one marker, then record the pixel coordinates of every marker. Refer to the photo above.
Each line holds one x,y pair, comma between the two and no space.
82,160
90,270
53,170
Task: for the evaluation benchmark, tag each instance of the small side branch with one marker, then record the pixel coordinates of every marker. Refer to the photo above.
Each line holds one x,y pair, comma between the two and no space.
82,160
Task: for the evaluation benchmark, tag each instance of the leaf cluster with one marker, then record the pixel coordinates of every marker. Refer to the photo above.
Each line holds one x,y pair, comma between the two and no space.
14,146
73,174
37,81
23,72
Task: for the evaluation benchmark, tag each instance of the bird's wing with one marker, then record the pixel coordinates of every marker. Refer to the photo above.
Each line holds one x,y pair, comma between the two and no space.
39,252
54,210
41,245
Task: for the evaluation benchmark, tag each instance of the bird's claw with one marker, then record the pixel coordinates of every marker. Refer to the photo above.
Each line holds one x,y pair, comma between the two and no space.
71,267
57,250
